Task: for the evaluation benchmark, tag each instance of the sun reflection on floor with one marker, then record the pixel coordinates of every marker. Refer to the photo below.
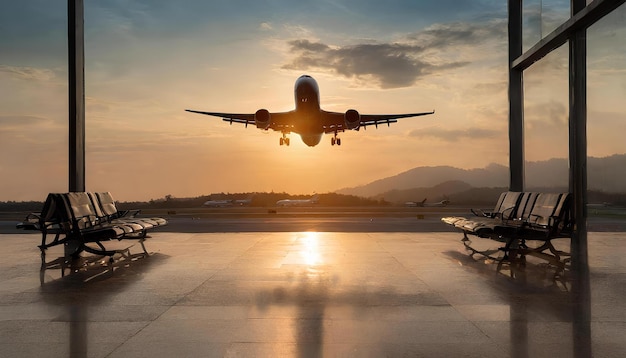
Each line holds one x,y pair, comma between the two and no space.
310,251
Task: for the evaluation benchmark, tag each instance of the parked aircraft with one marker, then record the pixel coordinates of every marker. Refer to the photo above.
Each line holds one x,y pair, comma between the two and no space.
413,204
298,202
218,203
437,204
308,119
423,203
242,202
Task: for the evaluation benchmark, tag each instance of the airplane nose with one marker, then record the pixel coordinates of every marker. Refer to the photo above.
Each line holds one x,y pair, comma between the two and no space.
305,89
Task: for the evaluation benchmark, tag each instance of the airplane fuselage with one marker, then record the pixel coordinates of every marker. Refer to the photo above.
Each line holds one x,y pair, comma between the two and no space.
298,202
308,110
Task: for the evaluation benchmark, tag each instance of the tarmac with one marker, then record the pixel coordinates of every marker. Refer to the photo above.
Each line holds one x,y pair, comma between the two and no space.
310,287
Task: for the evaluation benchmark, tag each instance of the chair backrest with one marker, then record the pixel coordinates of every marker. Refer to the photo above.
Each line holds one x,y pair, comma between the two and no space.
95,201
526,205
563,212
54,210
562,209
107,204
496,209
544,208
81,208
509,205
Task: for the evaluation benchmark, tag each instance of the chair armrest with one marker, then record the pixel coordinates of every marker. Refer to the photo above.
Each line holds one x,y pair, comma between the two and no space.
503,212
127,213
30,222
537,217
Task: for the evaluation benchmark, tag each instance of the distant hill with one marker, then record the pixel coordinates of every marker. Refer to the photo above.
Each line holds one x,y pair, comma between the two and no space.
606,174
428,177
432,194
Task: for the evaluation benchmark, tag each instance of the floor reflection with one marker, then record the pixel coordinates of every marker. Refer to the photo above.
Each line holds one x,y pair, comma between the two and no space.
91,281
310,249
310,295
531,289
316,287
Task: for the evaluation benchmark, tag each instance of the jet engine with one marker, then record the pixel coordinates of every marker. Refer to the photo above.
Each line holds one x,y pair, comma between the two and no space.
352,118
262,119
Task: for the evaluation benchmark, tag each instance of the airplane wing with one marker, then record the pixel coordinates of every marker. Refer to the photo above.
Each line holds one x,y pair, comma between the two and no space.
376,119
246,118
279,121
334,121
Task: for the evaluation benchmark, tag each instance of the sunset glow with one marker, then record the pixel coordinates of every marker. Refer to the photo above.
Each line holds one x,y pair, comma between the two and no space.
147,62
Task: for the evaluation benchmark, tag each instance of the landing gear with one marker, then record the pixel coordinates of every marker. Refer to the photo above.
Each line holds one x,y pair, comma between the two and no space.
284,140
334,140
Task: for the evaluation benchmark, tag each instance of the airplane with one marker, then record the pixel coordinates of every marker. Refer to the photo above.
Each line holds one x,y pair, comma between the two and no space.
298,202
242,202
218,203
423,203
308,119
413,204
437,204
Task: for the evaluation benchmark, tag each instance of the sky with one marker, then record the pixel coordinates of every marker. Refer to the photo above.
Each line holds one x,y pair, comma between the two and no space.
146,61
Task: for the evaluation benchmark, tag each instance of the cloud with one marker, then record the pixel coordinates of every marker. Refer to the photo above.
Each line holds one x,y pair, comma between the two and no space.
97,105
441,36
400,63
491,87
391,65
19,122
453,135
553,113
29,73
265,26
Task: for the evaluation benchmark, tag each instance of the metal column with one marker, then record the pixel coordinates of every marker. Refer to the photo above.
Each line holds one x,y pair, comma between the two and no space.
76,74
578,184
76,161
516,99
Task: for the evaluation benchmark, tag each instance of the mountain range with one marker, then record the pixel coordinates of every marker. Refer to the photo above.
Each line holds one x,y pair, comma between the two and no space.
607,174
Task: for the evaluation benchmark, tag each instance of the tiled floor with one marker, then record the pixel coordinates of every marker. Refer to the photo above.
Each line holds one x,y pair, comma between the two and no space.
308,295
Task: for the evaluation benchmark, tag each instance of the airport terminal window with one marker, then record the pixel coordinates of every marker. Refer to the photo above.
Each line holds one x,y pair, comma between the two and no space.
546,82
606,90
540,17
531,23
546,110
553,14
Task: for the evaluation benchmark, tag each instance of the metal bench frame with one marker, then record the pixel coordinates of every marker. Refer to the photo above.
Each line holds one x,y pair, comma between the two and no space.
538,217
84,222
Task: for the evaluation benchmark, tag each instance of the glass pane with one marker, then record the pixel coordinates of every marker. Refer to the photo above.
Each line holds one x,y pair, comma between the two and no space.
531,23
33,101
606,116
541,17
553,14
546,92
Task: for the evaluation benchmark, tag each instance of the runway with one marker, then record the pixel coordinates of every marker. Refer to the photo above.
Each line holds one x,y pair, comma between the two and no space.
320,219
345,224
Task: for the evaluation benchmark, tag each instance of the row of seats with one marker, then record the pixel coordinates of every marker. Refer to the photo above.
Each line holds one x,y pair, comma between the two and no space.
528,215
79,218
516,218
